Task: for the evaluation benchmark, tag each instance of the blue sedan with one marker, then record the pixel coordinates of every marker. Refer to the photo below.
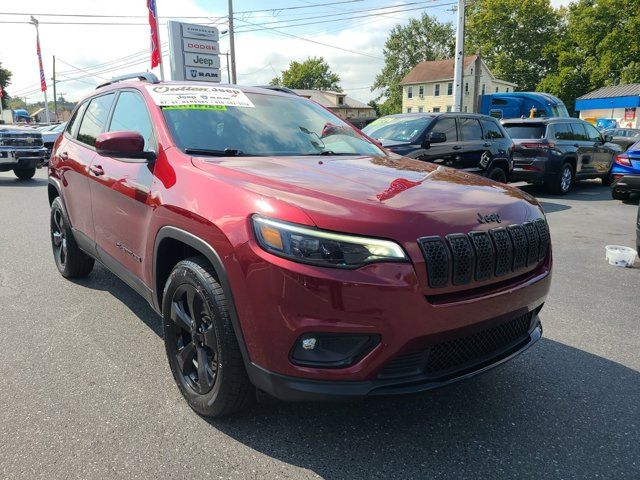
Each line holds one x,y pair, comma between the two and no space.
626,173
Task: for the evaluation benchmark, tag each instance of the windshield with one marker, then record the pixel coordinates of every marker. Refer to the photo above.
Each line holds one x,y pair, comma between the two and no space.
528,131
273,126
400,129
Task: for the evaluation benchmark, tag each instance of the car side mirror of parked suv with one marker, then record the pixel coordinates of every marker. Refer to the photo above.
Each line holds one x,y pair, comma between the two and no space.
607,138
436,137
123,145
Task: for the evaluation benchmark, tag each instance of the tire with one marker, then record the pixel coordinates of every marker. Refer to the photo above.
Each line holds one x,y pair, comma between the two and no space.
70,260
619,195
497,174
25,173
197,325
562,183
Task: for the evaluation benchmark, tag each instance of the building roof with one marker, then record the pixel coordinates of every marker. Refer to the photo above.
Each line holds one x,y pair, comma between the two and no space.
329,99
434,70
626,90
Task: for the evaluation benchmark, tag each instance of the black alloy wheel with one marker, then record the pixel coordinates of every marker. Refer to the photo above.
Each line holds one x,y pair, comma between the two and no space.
59,239
193,340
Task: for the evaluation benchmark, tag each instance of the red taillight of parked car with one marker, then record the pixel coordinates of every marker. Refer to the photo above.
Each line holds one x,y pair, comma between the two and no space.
623,160
538,145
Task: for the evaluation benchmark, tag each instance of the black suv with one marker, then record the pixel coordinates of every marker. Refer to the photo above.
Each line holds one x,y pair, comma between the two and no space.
470,142
559,151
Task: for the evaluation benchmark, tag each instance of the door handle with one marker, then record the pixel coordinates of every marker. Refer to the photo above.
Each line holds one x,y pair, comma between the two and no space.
457,147
576,145
64,156
96,170
487,144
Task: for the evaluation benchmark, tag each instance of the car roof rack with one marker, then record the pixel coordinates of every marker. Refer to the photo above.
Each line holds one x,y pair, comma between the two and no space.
147,76
278,88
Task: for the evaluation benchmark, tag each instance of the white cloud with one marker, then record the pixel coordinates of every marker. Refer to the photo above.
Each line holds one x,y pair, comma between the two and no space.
260,55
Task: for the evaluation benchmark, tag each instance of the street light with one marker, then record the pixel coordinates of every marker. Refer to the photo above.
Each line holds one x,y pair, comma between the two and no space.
35,22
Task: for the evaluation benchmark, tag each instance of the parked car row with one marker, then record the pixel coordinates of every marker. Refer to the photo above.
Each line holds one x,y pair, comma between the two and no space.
554,151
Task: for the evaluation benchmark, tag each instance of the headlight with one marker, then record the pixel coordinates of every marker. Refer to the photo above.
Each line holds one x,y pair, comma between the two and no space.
319,247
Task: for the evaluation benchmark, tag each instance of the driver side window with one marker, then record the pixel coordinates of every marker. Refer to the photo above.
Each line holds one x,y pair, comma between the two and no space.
131,115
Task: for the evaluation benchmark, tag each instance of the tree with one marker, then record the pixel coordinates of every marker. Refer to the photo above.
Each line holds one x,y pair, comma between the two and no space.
5,79
599,47
312,74
420,40
511,36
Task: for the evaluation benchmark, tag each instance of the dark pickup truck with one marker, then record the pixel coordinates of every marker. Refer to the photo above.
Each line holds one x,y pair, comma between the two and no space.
21,150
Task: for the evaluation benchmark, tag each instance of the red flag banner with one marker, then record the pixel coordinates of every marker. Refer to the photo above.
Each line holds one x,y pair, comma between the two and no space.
1,93
43,81
155,43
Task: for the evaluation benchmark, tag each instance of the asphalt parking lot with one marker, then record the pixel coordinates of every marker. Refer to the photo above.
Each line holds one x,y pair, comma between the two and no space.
86,392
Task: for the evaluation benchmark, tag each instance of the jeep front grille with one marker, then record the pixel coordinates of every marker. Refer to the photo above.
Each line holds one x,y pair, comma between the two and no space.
461,258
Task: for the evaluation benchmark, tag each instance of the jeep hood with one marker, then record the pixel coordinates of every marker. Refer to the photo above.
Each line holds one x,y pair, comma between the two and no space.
374,191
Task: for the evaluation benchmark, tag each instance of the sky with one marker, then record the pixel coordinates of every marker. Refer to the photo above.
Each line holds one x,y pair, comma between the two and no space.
350,35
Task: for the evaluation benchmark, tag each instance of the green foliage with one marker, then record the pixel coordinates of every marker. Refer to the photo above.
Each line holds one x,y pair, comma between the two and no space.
5,79
600,46
511,36
313,74
420,40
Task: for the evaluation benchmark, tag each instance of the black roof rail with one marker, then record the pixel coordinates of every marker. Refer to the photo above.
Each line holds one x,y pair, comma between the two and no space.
147,76
278,88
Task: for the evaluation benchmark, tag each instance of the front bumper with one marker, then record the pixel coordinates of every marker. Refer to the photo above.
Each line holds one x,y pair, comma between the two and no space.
626,184
300,389
17,159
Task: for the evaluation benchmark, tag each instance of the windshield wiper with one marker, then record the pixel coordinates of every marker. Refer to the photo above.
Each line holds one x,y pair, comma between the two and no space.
227,152
334,154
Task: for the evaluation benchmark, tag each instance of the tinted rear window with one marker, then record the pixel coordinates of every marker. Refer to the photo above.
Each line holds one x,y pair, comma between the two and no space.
529,131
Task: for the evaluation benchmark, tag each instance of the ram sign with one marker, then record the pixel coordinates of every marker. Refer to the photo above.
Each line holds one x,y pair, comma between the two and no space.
194,52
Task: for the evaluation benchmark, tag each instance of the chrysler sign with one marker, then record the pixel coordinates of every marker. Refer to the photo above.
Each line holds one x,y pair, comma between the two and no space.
193,51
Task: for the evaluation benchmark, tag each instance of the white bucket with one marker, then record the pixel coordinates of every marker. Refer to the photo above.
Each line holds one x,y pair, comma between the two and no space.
620,256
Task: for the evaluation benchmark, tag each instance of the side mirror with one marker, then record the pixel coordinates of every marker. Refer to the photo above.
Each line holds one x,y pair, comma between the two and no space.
122,144
437,137
608,138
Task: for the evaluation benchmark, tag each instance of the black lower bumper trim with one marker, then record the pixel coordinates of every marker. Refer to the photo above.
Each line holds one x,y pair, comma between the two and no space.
627,184
302,389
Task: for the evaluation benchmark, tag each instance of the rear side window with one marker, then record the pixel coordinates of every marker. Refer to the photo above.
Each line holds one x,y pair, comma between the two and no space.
448,127
94,119
470,129
579,132
526,130
562,131
72,127
491,129
131,115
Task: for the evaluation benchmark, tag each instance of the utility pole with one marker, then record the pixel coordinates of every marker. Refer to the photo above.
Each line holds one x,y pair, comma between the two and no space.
55,97
232,44
459,60
43,82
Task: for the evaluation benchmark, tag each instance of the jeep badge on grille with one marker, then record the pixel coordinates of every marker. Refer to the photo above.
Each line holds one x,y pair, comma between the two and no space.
491,218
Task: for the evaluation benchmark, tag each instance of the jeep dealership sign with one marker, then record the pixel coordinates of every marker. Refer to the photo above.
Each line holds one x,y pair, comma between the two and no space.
194,52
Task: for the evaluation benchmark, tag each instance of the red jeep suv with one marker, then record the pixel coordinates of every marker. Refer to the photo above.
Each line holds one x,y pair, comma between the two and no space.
286,251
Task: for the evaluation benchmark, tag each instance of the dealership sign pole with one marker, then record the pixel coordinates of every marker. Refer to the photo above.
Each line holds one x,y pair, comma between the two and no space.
194,52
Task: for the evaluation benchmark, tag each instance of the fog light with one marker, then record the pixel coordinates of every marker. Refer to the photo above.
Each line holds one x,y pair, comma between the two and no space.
331,350
309,343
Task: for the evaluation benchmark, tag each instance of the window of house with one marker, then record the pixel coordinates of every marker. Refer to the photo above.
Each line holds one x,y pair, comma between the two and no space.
421,91
465,109
340,100
466,87
507,90
496,89
450,89
484,88
408,109
409,92
448,108
436,90
420,109
436,109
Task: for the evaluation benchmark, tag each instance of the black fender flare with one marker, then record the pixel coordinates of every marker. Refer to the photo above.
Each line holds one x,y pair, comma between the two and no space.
213,257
